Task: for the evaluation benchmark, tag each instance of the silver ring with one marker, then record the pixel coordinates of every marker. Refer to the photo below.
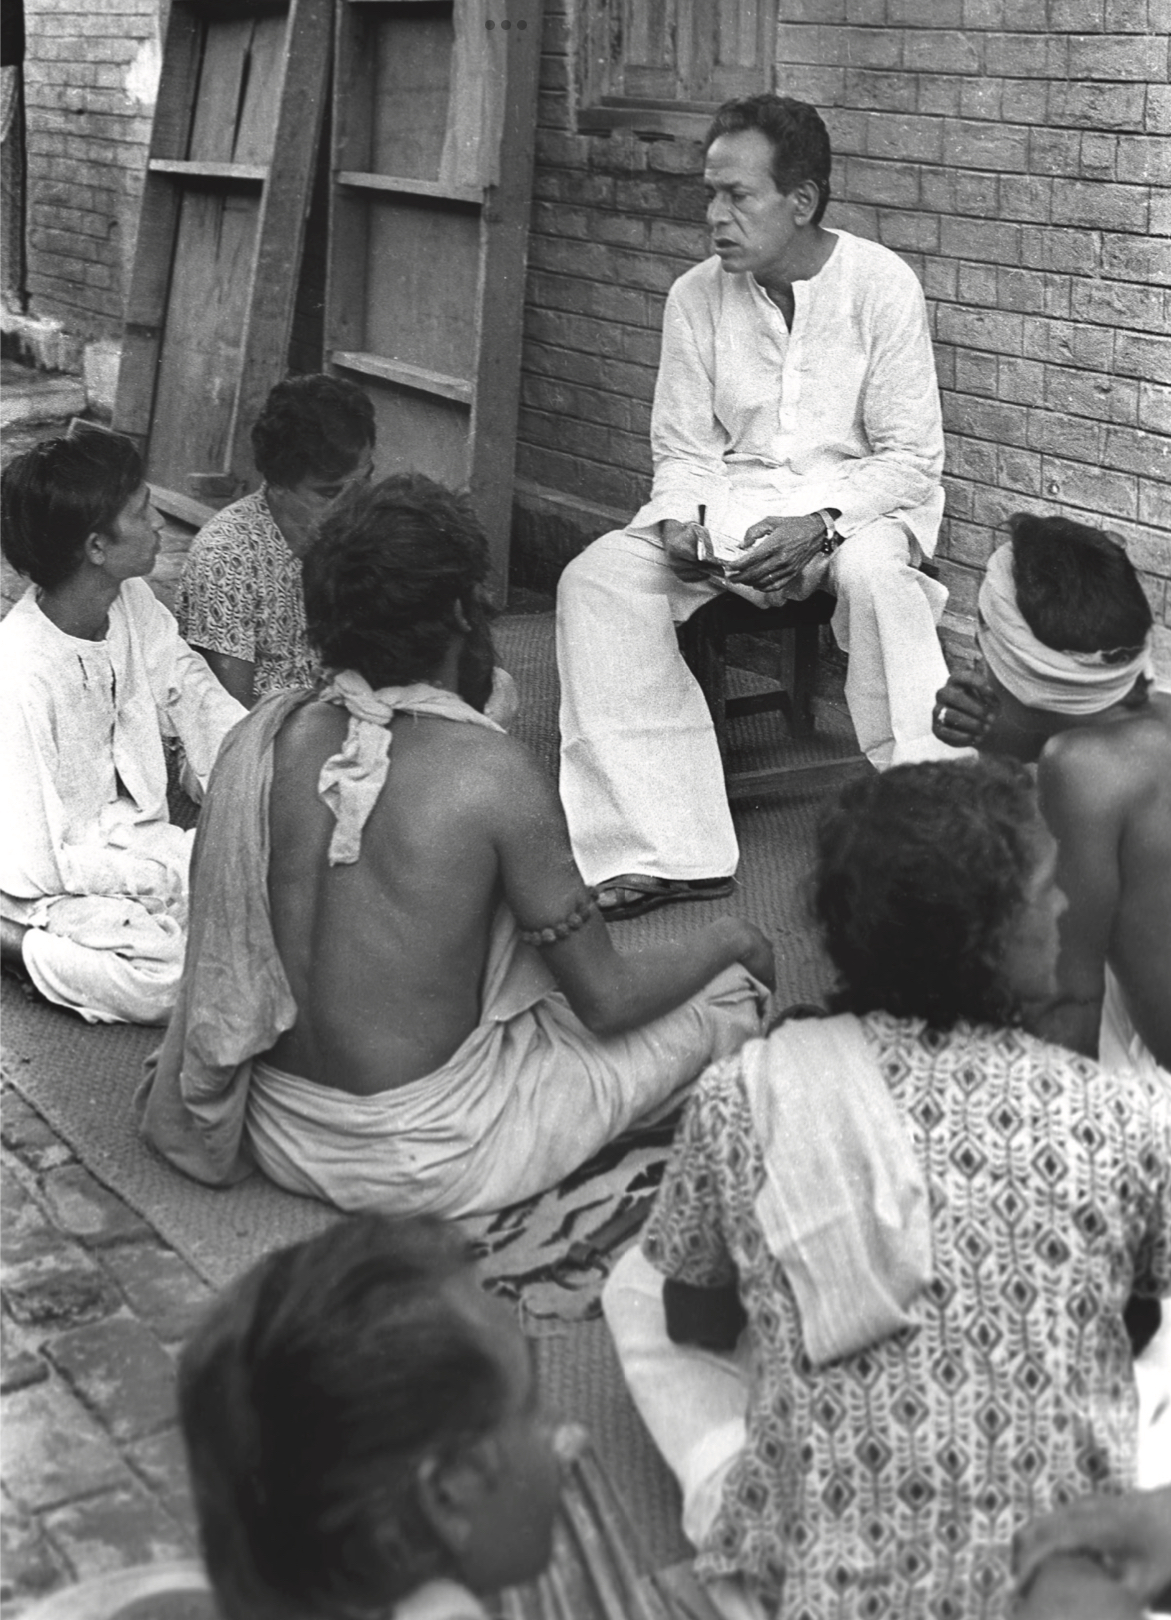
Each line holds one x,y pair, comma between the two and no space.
943,714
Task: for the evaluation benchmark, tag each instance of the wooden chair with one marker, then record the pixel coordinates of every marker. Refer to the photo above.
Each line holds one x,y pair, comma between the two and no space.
792,630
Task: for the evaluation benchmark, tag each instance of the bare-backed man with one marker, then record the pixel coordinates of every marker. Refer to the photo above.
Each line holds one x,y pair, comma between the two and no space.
1065,633
399,990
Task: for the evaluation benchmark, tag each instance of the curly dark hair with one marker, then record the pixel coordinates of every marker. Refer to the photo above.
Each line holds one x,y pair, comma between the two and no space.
794,130
386,577
307,1397
312,427
921,873
54,496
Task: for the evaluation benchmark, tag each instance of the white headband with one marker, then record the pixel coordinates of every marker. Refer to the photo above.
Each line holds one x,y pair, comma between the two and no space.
1037,675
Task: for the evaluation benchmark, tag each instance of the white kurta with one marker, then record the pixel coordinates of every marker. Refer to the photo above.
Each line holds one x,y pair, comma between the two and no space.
755,420
88,857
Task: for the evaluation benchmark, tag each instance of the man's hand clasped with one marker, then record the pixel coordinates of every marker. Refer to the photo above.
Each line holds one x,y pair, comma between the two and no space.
964,710
778,548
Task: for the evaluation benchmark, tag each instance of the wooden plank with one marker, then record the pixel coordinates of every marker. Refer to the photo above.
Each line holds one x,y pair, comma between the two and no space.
411,188
208,171
352,135
420,433
412,79
158,222
395,371
221,84
259,112
183,507
423,270
199,361
304,81
500,302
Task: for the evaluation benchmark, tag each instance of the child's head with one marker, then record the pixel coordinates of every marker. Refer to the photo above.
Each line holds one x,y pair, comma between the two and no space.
361,1417
59,493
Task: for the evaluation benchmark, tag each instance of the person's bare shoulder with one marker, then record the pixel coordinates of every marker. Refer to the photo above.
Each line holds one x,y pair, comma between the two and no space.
1115,767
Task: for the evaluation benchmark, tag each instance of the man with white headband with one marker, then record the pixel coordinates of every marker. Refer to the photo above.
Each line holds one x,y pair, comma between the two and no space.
1065,633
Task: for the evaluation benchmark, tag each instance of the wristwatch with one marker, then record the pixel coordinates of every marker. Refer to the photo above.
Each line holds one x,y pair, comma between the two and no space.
831,539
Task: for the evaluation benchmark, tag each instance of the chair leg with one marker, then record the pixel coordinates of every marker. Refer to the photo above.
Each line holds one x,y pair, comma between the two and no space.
804,677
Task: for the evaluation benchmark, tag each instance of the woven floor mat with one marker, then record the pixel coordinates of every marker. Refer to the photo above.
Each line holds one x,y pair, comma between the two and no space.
581,1380
82,1078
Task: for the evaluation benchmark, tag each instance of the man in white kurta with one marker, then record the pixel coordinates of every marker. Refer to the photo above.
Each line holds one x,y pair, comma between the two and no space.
88,859
796,385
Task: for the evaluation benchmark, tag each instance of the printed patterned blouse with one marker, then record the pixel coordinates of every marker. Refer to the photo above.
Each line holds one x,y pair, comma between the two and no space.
890,1483
241,595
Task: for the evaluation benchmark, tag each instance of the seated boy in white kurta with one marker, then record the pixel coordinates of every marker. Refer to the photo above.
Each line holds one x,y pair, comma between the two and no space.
93,674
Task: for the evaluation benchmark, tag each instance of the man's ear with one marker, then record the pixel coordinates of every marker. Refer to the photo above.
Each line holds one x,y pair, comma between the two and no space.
806,195
95,546
451,1491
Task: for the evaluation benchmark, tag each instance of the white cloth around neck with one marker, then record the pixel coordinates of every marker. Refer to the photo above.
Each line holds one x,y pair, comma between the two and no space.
351,780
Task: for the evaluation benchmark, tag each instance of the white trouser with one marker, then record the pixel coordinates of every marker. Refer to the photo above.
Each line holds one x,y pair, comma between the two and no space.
641,778
693,1402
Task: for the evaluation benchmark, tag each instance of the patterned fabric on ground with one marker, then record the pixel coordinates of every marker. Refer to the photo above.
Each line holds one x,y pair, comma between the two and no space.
240,595
889,1484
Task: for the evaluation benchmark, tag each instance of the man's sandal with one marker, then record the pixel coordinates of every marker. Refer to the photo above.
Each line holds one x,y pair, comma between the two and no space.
639,893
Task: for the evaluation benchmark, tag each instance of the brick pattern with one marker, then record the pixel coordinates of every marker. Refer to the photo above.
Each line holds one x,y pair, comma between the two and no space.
1014,152
94,1308
90,79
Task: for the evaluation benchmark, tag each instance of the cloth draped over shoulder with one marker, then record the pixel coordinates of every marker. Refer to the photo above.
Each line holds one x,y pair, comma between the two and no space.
352,779
1043,677
235,1000
844,1205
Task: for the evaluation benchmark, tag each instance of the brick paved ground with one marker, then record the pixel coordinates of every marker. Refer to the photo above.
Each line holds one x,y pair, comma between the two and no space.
94,1308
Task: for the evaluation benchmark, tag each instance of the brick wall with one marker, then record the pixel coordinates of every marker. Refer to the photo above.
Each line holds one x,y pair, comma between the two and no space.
1014,152
91,74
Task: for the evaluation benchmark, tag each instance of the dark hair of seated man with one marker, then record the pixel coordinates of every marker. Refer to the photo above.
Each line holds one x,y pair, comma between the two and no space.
360,1419
921,872
1076,588
795,131
58,493
312,426
396,572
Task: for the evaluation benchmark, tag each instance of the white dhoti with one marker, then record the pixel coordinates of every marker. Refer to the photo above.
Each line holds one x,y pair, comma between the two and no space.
114,958
523,1101
641,777
1120,1046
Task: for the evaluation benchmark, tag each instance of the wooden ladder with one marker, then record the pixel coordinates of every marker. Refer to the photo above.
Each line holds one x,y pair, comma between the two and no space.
236,128
433,128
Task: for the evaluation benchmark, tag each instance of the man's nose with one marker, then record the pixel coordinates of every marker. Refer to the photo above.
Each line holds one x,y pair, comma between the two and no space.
717,212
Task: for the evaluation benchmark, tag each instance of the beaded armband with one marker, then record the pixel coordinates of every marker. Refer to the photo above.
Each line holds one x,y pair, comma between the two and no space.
568,925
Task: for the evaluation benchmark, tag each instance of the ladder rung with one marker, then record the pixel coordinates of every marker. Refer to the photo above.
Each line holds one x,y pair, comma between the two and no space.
399,371
410,188
194,170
